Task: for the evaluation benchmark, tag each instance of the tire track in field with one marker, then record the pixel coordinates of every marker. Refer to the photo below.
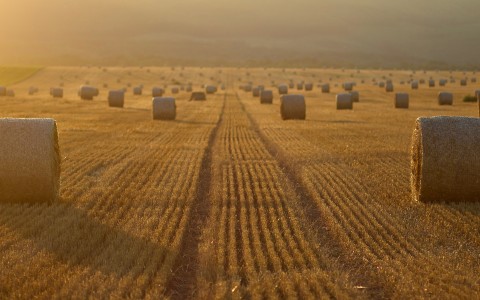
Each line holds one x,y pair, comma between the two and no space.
182,283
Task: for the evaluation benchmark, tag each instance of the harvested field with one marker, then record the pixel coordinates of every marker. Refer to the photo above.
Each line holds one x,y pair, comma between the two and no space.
230,201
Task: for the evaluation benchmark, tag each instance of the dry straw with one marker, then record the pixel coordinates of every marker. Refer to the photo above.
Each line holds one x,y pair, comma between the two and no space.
308,86
116,98
56,92
326,88
3,91
402,100
445,159
29,161
157,92
164,108
414,85
292,107
137,90
266,96
211,89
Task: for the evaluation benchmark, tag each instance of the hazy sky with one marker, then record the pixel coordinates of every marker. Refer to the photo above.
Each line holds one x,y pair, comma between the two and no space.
438,29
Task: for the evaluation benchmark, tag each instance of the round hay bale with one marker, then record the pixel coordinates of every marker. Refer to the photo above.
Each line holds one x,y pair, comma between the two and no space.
300,86
56,92
157,92
381,84
10,93
283,89
445,160
308,86
266,96
291,85
402,100
414,85
198,96
463,82
29,161
116,98
325,88
3,91
32,90
164,108
355,96
188,88
256,92
442,82
137,90
347,86
175,90
389,87
292,107
344,101
212,89
445,98
473,80
87,92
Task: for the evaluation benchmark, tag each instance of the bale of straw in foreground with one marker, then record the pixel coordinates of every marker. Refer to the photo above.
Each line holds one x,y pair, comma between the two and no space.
266,96
292,107
164,108
402,100
344,101
116,98
445,160
29,160
445,98
87,92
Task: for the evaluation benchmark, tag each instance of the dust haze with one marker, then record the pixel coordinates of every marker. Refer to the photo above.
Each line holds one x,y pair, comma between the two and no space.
339,33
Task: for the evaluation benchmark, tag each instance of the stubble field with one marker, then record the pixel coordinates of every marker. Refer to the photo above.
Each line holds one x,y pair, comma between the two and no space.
229,200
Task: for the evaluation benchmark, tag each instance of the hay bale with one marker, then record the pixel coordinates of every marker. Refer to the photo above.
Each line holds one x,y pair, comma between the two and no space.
442,82
389,87
291,85
116,98
292,107
283,89
137,90
422,81
445,98
300,86
175,90
325,88
189,89
355,96
381,84
10,93
347,86
463,82
402,100
256,92
198,96
87,92
164,108
308,86
29,161
445,160
344,101
247,88
266,96
414,85
56,92
3,91
157,92
212,89
32,90
473,80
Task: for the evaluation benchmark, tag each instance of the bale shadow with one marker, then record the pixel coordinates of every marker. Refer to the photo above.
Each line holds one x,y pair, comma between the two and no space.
77,239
